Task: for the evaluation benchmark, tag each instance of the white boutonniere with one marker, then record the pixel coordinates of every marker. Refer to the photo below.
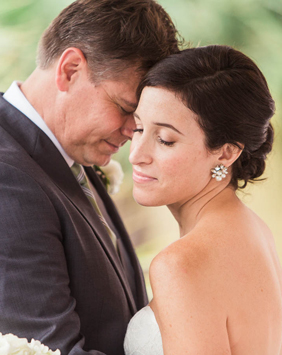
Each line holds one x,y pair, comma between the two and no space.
12,345
111,175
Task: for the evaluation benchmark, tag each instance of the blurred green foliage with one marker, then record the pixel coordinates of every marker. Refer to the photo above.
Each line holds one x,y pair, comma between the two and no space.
21,24
252,26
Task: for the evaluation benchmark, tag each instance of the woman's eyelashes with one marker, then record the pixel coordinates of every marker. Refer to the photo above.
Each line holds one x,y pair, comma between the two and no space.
160,140
139,130
168,144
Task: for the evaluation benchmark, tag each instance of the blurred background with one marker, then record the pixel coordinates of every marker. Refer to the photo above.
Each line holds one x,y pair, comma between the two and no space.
252,26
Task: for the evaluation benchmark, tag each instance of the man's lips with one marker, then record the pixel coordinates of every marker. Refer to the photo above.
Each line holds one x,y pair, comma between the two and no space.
140,177
115,147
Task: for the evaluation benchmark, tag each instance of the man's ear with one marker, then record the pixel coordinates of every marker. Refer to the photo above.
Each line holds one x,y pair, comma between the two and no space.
229,153
70,65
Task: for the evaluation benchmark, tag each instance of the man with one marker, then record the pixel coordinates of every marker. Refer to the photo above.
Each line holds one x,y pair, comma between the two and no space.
68,273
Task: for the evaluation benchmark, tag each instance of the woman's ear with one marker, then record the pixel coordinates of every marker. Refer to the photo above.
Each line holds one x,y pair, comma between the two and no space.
229,153
70,65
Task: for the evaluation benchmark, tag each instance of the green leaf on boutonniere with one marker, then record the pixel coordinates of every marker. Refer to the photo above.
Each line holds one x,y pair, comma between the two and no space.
102,176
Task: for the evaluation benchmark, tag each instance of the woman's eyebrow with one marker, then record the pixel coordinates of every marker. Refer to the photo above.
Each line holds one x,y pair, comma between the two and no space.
161,124
168,126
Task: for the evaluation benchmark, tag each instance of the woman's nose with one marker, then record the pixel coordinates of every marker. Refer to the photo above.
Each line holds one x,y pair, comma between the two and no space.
140,151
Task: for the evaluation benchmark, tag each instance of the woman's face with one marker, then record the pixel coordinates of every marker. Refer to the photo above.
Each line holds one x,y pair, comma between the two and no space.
171,164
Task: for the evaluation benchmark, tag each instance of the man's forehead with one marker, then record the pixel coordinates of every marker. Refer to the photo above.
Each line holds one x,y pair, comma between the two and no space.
127,93
123,87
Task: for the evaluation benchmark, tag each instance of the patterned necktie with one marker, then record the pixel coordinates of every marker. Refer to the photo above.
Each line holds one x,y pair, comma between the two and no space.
80,175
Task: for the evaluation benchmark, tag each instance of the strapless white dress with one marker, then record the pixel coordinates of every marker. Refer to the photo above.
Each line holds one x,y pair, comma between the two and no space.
143,335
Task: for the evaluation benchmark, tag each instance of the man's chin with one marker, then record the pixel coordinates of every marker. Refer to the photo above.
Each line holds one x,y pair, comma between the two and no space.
90,160
105,161
99,161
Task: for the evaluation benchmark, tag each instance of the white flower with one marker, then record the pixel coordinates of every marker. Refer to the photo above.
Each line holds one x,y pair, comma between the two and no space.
4,346
12,345
114,174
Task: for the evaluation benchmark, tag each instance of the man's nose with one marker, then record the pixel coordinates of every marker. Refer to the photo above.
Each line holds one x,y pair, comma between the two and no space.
128,127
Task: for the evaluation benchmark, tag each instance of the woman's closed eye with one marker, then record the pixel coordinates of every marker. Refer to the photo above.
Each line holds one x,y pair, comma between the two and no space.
139,130
168,144
160,140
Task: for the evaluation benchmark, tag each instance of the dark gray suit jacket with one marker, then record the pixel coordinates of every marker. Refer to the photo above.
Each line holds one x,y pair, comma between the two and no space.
61,281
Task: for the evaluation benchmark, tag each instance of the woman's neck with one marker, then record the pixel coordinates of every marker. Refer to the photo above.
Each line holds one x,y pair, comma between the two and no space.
213,197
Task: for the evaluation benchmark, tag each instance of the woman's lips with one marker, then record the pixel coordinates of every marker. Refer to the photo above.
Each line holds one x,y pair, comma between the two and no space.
142,178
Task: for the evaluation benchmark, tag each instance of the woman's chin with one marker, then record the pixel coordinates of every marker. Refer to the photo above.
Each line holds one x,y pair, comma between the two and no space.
145,200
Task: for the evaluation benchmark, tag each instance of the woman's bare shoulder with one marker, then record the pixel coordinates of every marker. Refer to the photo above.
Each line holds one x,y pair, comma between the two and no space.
188,301
192,257
225,252
208,254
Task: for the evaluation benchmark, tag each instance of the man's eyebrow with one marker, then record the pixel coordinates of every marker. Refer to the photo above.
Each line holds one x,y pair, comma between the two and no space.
161,124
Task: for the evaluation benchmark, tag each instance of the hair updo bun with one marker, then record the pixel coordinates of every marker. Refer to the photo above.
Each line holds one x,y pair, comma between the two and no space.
250,166
230,97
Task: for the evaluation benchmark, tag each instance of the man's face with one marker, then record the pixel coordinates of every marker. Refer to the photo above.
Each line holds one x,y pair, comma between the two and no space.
93,121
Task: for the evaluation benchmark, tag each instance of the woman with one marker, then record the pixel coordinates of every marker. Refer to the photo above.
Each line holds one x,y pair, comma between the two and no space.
202,131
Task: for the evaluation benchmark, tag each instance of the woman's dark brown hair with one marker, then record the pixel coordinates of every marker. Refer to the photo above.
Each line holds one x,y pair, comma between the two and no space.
231,98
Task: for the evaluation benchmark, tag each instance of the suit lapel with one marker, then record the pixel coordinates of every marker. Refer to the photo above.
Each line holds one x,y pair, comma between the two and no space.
44,152
142,298
50,162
